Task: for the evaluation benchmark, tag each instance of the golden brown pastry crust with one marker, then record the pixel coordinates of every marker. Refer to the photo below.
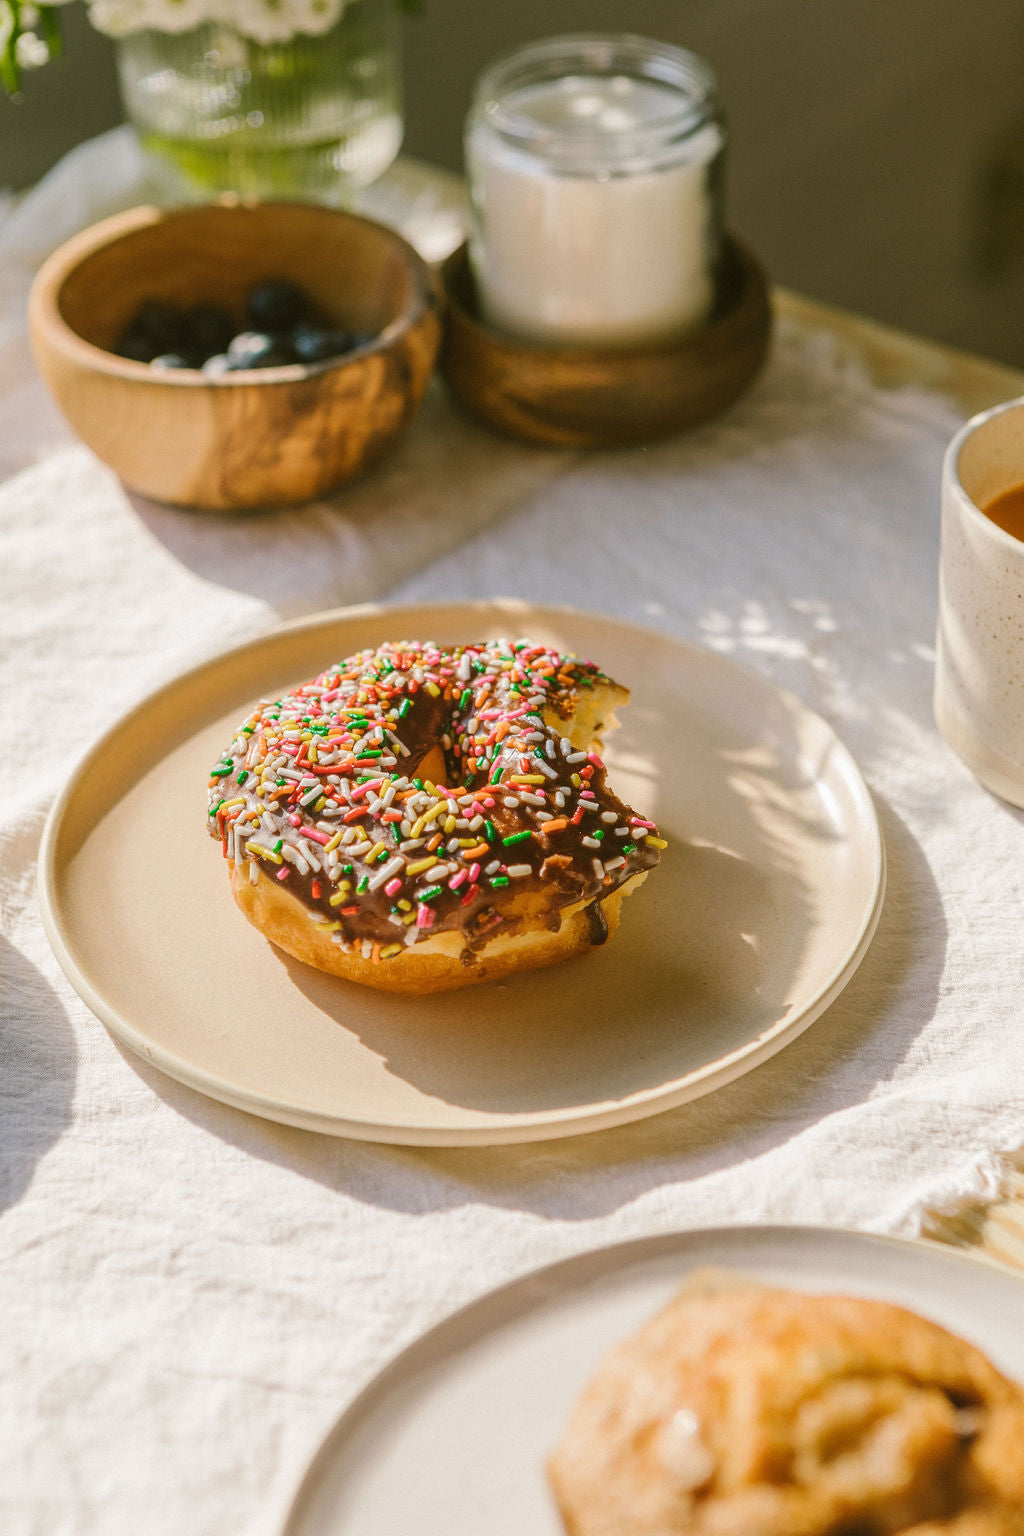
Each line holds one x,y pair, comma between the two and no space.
758,1412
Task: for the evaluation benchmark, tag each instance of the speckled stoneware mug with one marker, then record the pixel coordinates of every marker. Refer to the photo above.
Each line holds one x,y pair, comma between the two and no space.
979,661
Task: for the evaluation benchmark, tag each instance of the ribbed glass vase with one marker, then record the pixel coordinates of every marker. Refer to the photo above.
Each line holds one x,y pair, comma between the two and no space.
312,117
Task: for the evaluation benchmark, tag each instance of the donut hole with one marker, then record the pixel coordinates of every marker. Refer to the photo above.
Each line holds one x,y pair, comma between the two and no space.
432,766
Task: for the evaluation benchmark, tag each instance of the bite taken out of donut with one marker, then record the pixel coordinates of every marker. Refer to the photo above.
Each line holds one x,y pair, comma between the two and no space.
419,818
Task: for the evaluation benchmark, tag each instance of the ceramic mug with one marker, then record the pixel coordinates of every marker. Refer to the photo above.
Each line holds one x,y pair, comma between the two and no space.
979,661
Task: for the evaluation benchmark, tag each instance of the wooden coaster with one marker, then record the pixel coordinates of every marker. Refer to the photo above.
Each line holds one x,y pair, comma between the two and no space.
590,397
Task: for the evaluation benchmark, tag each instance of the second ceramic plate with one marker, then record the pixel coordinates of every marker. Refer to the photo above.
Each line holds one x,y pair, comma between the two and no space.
451,1438
763,906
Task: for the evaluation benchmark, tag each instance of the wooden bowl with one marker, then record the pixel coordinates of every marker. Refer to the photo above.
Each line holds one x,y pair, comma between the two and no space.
592,397
256,438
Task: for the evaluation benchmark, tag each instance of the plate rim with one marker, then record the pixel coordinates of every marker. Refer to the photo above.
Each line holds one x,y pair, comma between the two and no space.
409,1131
618,1255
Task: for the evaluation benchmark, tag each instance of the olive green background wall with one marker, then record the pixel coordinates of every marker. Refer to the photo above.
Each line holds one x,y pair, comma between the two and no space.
877,156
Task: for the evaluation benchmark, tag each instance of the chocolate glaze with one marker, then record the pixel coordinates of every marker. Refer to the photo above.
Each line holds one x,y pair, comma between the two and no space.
598,923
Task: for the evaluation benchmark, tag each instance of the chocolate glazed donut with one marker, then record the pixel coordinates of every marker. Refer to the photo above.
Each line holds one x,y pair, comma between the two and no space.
418,818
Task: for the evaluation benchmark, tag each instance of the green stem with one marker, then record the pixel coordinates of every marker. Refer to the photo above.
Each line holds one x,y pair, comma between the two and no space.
49,27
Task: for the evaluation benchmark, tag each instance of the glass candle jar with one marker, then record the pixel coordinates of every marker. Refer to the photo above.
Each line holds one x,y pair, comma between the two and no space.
595,173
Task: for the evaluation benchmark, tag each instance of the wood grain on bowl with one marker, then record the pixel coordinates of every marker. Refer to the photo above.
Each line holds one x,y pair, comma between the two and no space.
591,397
254,438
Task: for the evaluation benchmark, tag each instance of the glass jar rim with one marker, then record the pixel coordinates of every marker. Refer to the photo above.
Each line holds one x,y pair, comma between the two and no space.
599,54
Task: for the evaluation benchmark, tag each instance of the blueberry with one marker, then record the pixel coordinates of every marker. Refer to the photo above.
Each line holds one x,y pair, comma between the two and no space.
207,328
168,360
159,323
275,305
216,365
311,344
139,349
257,349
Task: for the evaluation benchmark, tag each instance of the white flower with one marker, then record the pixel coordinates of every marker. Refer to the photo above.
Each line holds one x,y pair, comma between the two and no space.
30,52
276,21
118,17
265,21
315,16
179,15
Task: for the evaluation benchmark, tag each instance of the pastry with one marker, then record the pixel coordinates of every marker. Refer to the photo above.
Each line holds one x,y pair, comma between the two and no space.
419,818
747,1411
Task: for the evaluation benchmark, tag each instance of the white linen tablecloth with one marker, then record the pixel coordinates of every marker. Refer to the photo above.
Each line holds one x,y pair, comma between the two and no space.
189,1295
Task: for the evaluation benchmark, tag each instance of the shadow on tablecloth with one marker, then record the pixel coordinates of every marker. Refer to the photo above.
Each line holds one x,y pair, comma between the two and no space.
447,481
38,1066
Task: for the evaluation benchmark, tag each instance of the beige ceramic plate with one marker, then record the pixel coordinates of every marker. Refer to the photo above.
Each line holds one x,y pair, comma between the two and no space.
451,1438
761,909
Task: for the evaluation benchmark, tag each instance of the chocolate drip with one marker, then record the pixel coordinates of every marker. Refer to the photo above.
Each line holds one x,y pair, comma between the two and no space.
598,923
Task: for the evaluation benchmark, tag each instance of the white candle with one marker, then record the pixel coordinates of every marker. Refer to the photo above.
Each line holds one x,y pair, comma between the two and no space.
596,218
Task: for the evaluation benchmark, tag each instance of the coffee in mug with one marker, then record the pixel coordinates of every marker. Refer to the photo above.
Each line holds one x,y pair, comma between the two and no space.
979,664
